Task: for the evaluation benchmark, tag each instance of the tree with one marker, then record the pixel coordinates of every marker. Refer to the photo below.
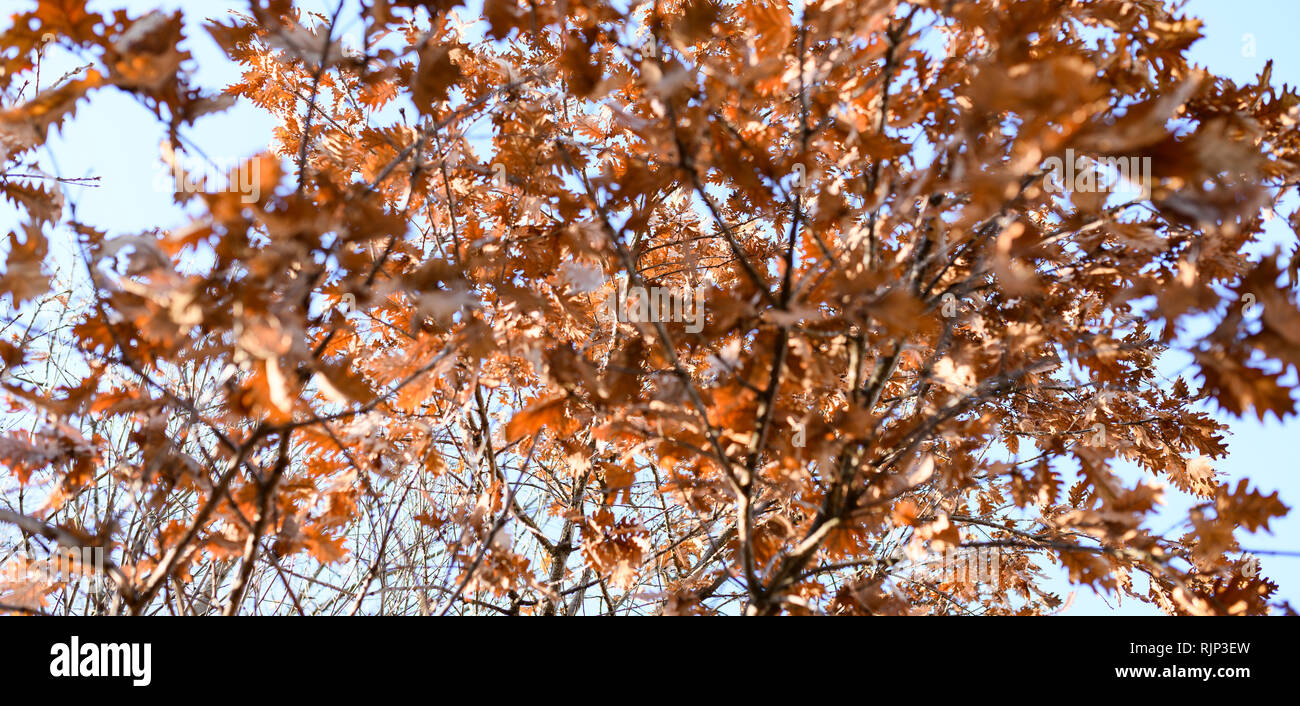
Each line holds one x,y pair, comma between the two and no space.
700,306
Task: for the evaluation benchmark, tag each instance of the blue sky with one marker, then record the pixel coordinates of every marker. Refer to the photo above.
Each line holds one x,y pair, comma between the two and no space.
117,139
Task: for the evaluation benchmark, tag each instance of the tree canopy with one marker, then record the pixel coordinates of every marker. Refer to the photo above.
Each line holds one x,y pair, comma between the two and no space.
671,307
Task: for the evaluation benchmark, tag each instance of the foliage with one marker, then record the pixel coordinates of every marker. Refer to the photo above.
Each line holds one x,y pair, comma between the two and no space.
400,376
